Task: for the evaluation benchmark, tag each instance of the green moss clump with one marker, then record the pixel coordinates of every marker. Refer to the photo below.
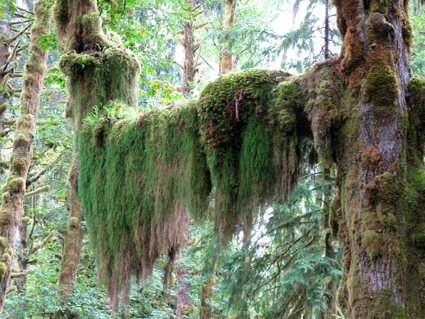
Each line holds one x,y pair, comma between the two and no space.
372,243
3,241
416,88
3,269
61,15
25,220
379,6
14,185
4,107
6,258
73,222
20,139
380,86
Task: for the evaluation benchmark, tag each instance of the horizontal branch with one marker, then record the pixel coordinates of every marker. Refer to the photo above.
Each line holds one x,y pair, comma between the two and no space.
17,274
38,191
11,40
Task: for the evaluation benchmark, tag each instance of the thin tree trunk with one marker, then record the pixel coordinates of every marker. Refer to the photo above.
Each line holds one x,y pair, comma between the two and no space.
73,236
12,210
184,308
227,56
4,54
23,246
207,294
327,29
189,53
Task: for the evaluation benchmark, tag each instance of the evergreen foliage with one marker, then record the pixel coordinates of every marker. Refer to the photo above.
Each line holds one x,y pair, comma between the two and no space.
283,272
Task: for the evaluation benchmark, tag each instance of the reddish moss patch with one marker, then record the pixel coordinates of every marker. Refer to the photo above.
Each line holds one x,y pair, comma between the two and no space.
371,157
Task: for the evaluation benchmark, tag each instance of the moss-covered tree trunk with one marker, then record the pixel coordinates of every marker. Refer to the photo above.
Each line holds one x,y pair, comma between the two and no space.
227,56
100,72
4,54
379,152
11,210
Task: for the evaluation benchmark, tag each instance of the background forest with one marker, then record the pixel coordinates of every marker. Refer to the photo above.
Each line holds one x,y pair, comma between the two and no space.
287,266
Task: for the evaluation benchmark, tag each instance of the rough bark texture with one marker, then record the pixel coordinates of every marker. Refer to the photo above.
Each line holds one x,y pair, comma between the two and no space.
11,211
184,308
378,208
23,246
227,56
73,236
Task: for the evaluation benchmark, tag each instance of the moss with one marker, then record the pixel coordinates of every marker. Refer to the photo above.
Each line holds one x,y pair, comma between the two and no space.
6,258
3,242
24,121
18,162
380,86
73,222
418,237
14,185
3,269
20,139
114,37
76,65
4,107
372,243
379,6
406,29
416,88
25,220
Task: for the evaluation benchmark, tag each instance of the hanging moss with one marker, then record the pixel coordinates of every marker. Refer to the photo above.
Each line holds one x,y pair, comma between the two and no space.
247,125
136,180
137,177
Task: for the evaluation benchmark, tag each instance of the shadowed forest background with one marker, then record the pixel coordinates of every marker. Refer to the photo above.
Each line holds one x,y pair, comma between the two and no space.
276,257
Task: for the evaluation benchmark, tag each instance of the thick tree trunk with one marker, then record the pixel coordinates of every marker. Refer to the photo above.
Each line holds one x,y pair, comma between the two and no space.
227,56
99,72
12,211
378,206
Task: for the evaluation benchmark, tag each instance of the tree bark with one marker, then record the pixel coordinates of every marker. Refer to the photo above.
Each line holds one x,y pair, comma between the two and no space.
73,243
326,48
378,210
227,56
184,308
4,54
11,210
